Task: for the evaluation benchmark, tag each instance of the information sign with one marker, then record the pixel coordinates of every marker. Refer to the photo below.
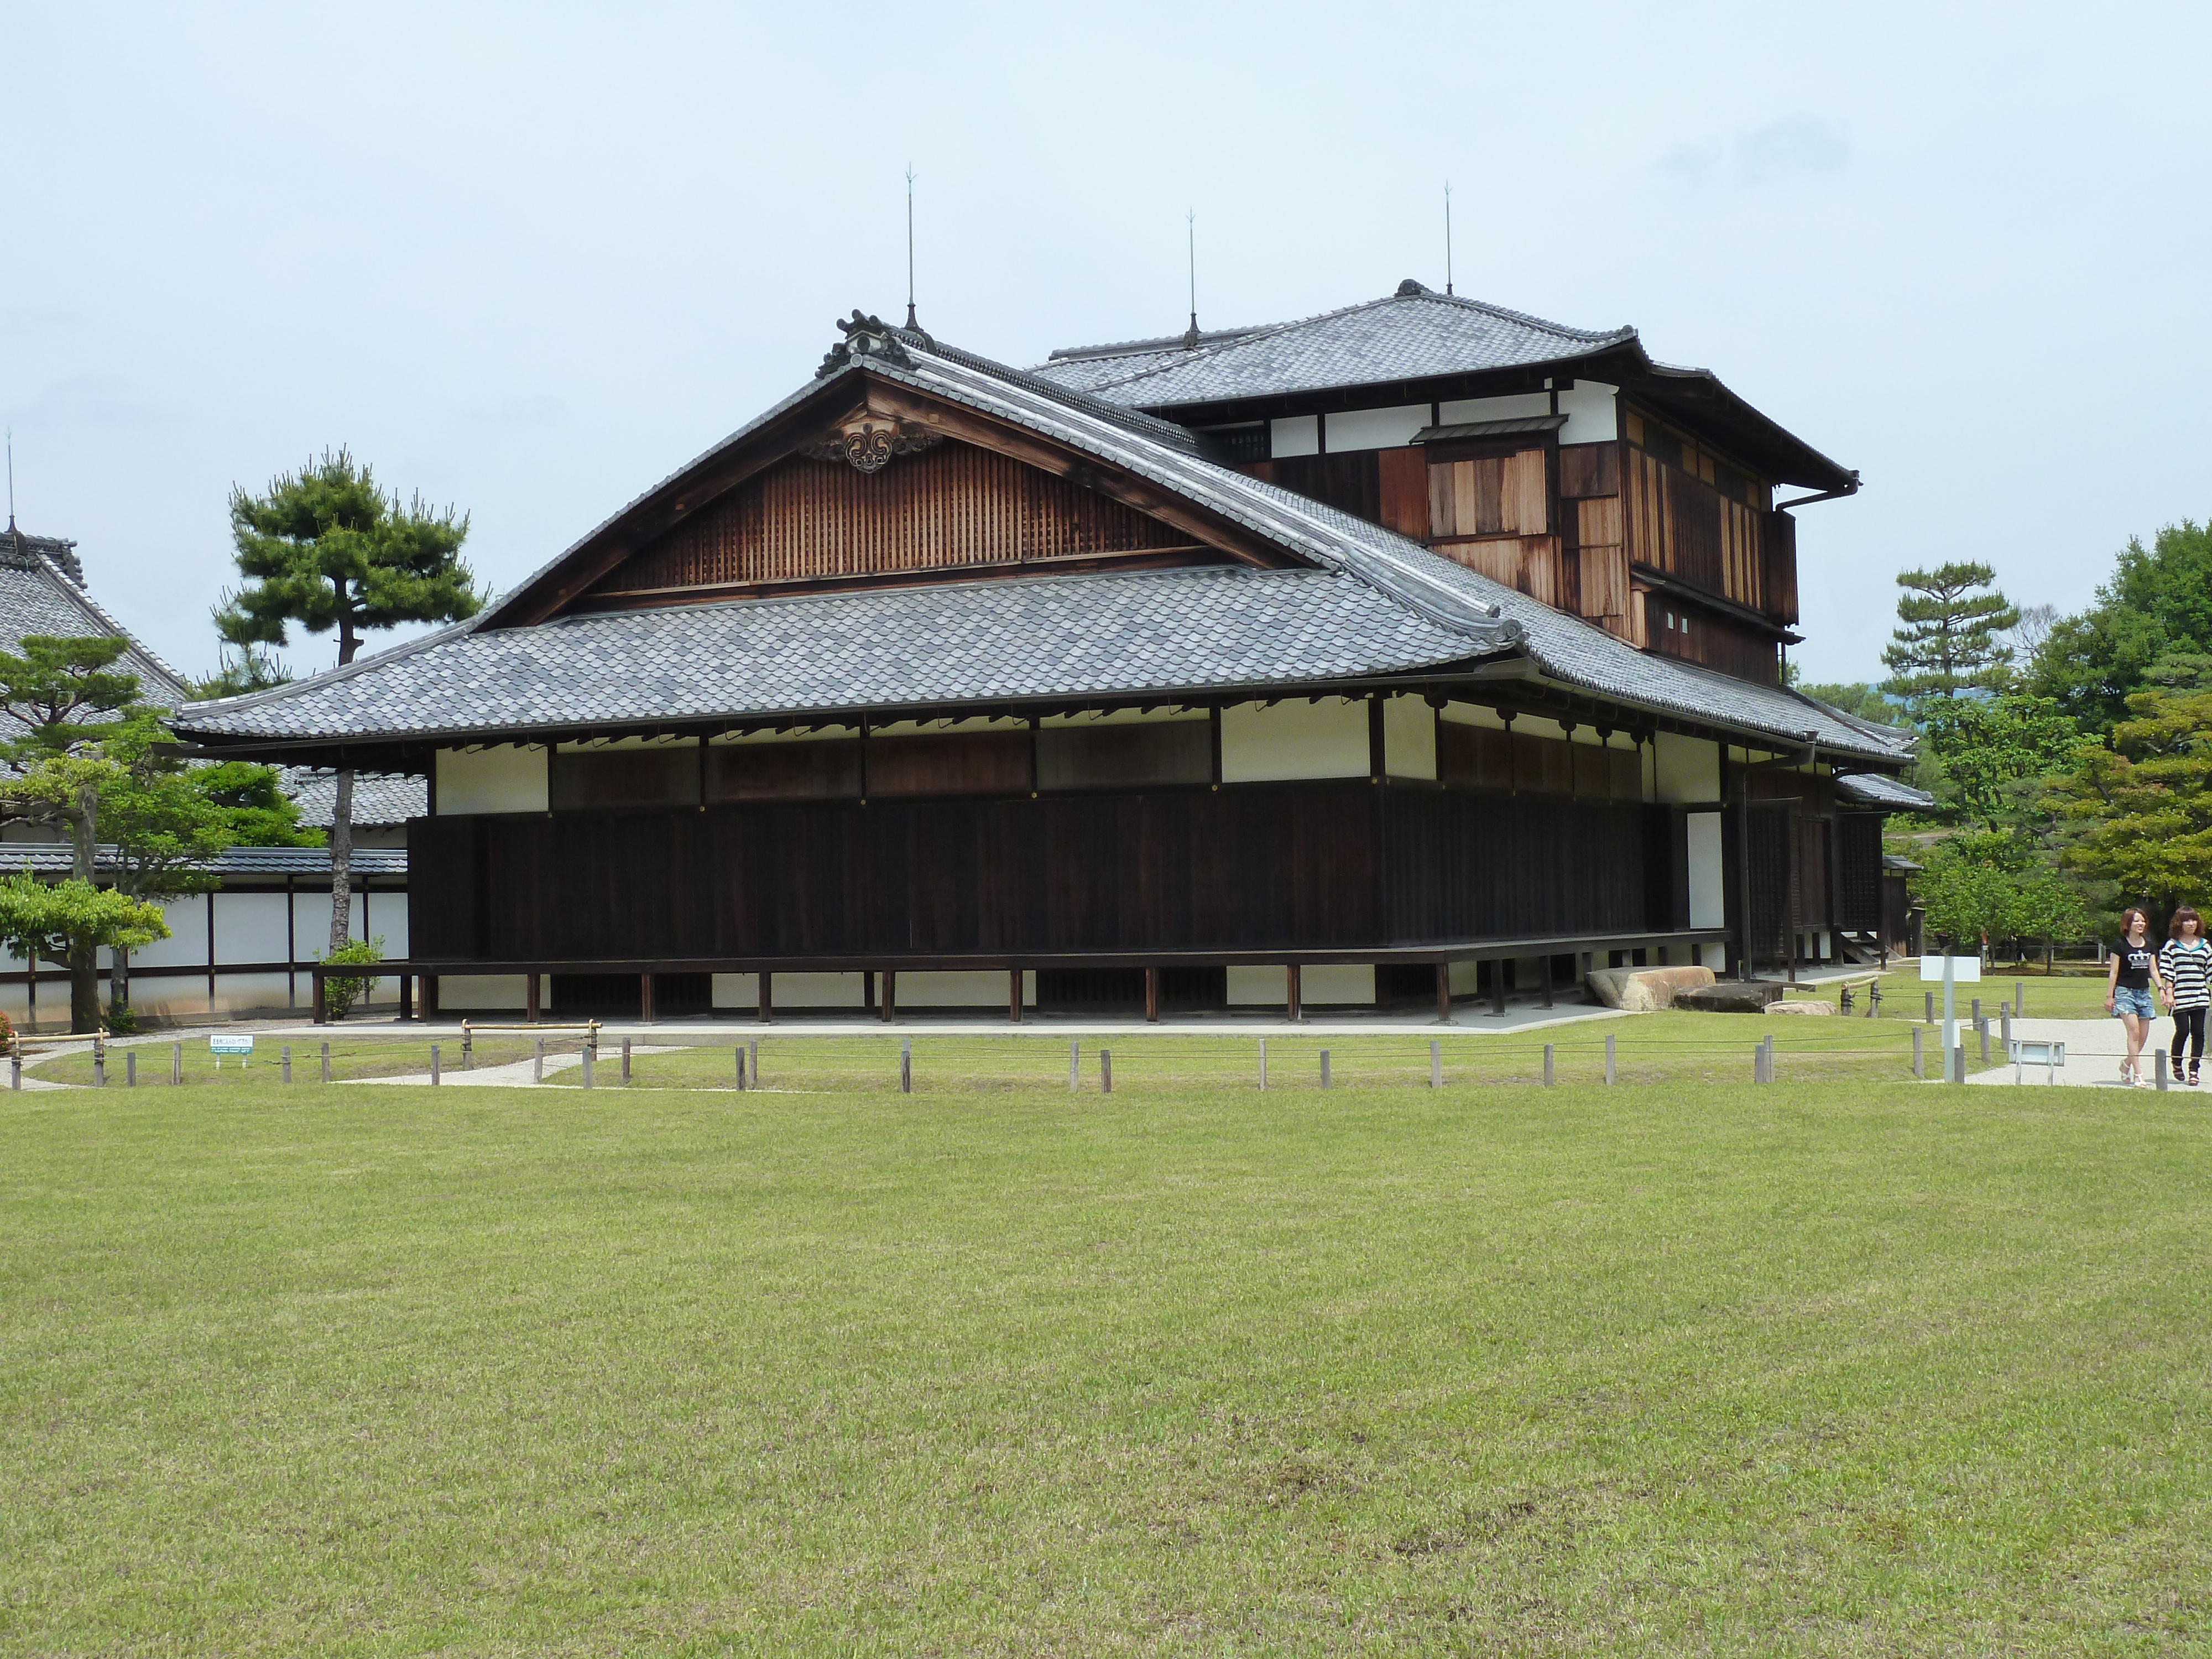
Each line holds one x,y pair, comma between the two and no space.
230,1045
1965,970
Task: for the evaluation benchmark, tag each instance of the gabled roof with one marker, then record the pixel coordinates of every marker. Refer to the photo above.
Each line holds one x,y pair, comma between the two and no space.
42,592
1414,335
1345,600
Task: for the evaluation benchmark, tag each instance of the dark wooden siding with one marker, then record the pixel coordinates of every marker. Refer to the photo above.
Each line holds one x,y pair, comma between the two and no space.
1303,867
953,506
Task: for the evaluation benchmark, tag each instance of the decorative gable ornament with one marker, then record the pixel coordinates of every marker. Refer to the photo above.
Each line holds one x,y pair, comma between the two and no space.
869,441
866,338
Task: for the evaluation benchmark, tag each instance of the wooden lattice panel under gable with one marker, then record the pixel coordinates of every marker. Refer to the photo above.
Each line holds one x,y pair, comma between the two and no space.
954,507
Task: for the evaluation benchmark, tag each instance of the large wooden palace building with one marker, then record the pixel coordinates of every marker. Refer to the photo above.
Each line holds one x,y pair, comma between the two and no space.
1415,650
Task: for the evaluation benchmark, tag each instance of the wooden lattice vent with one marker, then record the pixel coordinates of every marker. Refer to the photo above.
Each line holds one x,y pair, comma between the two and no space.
888,503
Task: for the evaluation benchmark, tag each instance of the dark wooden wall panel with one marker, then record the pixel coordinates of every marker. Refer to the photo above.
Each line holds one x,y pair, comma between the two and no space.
1305,866
954,505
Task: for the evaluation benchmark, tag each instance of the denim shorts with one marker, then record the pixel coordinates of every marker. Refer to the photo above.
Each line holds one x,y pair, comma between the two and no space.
2128,1000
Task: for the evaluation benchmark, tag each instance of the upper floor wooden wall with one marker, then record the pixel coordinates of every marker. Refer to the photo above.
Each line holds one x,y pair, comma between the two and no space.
1648,535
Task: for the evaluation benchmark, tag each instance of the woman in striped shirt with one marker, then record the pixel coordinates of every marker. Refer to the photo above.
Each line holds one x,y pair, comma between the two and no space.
2185,962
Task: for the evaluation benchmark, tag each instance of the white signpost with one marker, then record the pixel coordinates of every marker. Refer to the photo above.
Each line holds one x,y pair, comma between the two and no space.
1953,971
220,1046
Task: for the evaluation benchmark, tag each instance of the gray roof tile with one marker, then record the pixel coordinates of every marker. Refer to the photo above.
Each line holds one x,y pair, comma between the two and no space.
1372,603
1414,334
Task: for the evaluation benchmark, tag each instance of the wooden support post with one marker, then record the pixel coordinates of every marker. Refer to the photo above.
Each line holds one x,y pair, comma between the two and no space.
530,998
322,1005
407,996
429,996
1151,996
1444,994
767,996
645,998
1295,1003
1498,968
1013,996
890,1009
1544,968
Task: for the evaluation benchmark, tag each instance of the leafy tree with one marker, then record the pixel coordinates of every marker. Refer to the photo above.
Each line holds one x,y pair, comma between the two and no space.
1861,702
1984,886
2143,801
256,810
1987,757
324,548
59,700
2157,603
63,920
1947,642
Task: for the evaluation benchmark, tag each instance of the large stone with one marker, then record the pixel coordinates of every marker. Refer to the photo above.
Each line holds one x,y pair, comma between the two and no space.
1734,996
1801,1008
1640,990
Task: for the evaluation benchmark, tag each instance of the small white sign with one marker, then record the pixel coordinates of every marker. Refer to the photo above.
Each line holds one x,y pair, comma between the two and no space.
230,1045
1965,970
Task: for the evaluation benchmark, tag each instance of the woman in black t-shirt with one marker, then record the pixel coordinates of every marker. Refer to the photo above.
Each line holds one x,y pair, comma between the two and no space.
2130,989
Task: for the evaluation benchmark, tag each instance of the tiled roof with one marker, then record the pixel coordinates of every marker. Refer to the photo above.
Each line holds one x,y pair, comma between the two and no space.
1877,789
238,863
1051,636
1413,334
37,596
380,800
1369,603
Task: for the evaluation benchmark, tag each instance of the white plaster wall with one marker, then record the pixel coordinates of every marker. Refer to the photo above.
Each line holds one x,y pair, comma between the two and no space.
1339,982
1265,987
1516,407
978,989
1464,981
1376,429
501,993
1536,726
1326,737
187,941
1714,957
1592,412
819,991
1473,713
1270,987
1409,738
1708,874
506,778
1298,434
1689,769
249,927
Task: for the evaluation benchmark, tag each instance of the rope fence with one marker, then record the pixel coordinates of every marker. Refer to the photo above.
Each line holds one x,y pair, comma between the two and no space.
587,1057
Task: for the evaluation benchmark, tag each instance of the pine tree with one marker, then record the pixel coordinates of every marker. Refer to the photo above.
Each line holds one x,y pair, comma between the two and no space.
60,700
327,549
1947,639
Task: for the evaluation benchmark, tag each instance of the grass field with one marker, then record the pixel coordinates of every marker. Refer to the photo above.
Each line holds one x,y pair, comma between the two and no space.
1816,1368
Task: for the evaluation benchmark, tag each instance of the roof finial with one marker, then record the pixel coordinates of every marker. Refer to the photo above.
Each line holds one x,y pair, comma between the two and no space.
1448,237
910,322
11,479
1190,222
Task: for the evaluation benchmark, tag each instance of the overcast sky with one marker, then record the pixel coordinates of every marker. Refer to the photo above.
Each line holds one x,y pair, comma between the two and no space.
530,259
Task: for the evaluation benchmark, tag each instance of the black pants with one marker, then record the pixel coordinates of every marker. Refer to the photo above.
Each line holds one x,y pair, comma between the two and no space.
2188,1029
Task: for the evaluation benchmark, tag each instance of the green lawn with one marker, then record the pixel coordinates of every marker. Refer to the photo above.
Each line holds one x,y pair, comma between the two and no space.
1820,1368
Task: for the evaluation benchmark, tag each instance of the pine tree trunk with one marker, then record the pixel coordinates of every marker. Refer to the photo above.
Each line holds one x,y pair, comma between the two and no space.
83,957
119,980
341,863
